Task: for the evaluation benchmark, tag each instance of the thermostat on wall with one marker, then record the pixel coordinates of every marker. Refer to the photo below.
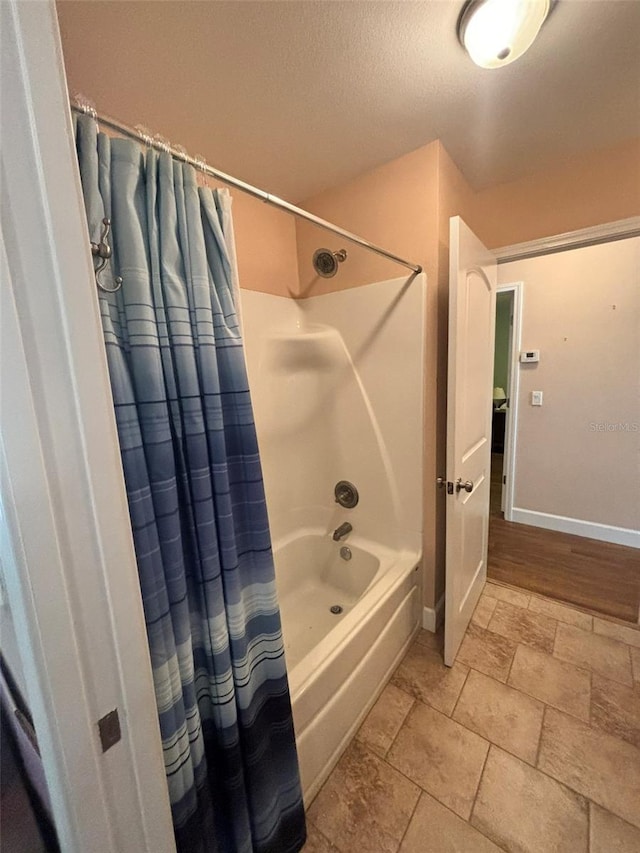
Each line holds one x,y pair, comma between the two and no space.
527,356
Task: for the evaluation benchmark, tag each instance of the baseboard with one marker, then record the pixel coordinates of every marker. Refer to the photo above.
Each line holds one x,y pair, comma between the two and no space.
432,616
577,527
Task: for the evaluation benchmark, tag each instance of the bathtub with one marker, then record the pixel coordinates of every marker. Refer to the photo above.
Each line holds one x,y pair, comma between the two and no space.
339,662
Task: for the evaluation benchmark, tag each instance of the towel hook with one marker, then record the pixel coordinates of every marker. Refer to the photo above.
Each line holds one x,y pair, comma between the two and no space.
103,251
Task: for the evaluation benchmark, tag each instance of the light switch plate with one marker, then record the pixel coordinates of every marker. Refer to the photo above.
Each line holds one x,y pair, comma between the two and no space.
536,398
530,356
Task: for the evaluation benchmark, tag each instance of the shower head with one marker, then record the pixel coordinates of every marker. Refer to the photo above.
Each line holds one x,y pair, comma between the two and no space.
325,262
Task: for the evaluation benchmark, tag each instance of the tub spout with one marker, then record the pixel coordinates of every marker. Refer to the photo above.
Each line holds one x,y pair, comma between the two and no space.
342,531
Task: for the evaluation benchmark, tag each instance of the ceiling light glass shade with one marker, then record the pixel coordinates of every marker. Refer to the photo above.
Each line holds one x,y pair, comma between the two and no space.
496,32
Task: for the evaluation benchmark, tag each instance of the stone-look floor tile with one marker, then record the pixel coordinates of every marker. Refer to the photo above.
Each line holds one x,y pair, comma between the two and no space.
624,634
592,651
501,714
365,805
441,756
316,842
593,763
435,829
635,661
532,629
431,640
384,719
503,593
555,682
484,611
561,612
615,709
524,811
487,652
609,834
422,674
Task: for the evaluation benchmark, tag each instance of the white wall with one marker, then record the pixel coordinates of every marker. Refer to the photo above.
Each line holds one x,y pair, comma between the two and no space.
578,456
337,382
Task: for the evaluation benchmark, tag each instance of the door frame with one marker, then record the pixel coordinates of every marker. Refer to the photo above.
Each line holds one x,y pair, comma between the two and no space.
513,393
620,229
606,232
67,555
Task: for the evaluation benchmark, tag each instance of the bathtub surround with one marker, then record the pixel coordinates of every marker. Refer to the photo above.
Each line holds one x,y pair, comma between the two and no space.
400,200
336,383
196,501
329,378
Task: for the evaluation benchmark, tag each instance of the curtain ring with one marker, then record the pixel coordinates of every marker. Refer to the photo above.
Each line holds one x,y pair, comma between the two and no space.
145,135
85,105
201,164
181,152
161,143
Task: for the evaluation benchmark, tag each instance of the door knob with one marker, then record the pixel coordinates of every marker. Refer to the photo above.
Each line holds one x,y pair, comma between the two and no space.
467,486
441,481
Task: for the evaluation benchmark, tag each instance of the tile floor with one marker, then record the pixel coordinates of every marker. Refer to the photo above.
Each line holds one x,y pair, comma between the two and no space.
529,743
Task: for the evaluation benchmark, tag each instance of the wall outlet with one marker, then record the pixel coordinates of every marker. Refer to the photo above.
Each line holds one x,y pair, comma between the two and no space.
536,398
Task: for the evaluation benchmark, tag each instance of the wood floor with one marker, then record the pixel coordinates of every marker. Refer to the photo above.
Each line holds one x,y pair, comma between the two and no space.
595,575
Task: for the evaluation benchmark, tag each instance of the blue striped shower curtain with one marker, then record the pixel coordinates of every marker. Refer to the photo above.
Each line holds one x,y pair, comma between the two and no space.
196,500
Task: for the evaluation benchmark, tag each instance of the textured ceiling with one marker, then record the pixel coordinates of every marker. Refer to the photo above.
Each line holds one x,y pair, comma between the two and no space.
299,96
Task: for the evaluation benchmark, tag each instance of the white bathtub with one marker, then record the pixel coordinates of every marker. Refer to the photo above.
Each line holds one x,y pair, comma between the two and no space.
339,663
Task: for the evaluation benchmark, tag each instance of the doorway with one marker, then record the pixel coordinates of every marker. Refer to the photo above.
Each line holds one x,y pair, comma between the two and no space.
565,509
504,403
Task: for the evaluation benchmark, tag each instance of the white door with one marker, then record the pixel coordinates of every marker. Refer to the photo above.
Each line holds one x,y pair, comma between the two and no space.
472,306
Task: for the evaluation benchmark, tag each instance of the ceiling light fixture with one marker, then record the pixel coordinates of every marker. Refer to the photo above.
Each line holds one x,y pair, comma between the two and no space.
496,32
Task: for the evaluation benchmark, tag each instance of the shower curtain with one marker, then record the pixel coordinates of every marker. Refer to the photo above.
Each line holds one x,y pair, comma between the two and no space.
196,500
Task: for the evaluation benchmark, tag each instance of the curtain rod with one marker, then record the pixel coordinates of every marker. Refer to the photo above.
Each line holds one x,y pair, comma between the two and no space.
266,197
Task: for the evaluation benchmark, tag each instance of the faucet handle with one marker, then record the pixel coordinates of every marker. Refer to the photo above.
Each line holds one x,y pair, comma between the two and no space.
346,494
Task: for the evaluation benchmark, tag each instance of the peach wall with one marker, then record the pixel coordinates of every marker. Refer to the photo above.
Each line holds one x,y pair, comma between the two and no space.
395,206
590,189
265,246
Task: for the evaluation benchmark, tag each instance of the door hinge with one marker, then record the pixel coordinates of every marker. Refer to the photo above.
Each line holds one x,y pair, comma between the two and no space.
504,479
109,728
